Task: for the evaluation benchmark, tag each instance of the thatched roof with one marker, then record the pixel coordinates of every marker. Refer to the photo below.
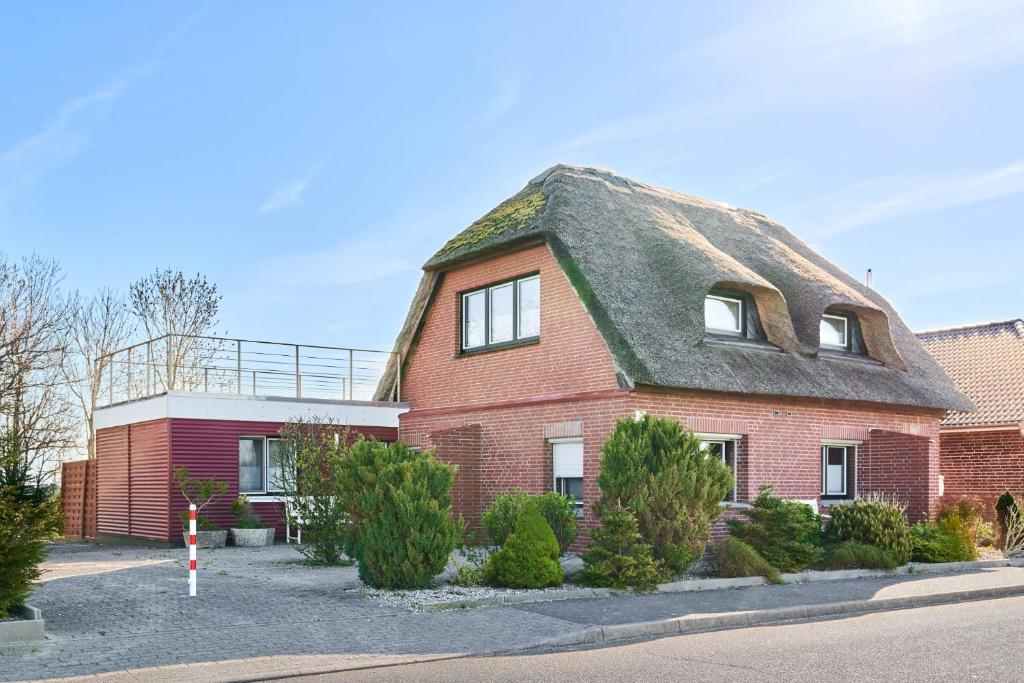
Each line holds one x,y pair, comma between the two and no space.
642,260
986,362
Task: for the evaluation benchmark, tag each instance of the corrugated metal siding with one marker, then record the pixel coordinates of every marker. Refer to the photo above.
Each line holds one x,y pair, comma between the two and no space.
210,447
149,480
112,480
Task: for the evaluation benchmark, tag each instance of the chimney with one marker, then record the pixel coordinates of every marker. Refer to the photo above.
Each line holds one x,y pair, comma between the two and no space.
867,279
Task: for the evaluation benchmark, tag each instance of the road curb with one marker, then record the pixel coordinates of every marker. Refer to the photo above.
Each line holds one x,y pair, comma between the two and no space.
732,620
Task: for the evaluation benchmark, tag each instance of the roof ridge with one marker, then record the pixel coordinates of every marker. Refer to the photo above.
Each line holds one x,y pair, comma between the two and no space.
970,326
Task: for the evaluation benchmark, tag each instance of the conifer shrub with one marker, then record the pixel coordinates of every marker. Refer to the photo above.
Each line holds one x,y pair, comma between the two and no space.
785,533
30,515
876,520
659,471
732,557
932,544
1004,504
618,557
529,556
854,555
401,530
499,520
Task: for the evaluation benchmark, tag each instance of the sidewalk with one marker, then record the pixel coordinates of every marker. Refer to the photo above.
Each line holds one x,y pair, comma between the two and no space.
122,614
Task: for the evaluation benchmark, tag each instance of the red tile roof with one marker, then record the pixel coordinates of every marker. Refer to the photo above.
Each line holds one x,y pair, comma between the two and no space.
986,362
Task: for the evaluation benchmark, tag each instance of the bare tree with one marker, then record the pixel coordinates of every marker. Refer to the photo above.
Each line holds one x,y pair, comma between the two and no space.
178,311
99,326
34,320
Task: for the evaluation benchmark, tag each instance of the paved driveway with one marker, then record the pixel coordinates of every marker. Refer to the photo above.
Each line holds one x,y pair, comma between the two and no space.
110,609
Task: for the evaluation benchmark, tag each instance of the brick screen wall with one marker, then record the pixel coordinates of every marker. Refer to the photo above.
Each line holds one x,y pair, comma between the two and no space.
982,464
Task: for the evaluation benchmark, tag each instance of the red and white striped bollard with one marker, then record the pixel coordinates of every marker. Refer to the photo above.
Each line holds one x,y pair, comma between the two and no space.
191,550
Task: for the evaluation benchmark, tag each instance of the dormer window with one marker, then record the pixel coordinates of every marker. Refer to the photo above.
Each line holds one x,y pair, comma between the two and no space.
723,314
835,331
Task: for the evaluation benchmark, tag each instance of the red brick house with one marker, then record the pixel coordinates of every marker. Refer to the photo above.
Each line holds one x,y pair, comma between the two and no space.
982,452
588,297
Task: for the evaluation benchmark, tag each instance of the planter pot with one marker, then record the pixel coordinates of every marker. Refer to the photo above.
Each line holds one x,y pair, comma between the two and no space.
251,538
25,628
208,539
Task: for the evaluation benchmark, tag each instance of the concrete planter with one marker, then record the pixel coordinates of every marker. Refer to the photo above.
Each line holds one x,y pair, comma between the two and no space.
252,538
208,539
26,630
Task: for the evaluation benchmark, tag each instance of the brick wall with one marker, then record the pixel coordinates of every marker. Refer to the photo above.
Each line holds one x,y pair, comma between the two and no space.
982,464
463,447
570,357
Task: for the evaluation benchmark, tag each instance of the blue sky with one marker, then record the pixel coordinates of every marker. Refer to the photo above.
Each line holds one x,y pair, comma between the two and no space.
309,157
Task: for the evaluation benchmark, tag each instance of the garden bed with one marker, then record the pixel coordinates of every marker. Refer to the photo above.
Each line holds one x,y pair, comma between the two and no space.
450,597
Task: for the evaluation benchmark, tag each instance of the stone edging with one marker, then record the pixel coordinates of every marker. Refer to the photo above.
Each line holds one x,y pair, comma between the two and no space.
718,584
22,632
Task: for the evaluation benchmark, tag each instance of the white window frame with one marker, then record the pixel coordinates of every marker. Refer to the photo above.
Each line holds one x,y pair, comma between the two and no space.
705,442
847,447
266,465
846,331
487,294
739,318
554,475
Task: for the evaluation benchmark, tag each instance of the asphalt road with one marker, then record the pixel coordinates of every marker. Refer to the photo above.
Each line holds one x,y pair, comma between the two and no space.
966,641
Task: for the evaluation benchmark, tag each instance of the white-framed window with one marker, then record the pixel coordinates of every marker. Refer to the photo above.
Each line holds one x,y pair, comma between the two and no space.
501,314
567,467
725,449
260,466
836,469
835,331
723,314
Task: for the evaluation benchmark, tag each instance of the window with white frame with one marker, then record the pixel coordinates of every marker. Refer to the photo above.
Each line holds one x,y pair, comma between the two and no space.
260,465
837,470
567,466
724,449
501,314
835,331
723,314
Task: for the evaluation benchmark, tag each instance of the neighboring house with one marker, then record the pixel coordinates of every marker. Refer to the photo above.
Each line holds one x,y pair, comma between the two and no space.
228,402
588,297
982,452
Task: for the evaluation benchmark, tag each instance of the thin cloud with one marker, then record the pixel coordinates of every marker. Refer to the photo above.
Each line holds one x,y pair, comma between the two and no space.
881,199
822,53
292,192
67,134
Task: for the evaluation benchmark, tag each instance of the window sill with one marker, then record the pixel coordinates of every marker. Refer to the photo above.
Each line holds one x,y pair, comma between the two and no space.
835,500
265,497
498,347
729,505
741,342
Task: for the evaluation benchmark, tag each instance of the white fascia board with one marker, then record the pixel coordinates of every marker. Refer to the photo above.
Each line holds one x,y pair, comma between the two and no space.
199,406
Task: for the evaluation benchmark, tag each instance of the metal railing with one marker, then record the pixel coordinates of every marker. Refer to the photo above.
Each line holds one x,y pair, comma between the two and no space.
240,366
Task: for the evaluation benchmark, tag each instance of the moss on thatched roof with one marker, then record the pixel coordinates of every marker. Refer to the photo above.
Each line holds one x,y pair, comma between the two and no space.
642,259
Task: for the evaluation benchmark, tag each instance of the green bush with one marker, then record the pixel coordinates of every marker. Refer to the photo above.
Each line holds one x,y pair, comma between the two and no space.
854,555
785,533
873,520
986,534
529,557
499,520
199,492
1004,505
658,471
241,510
30,516
618,556
932,544
402,531
961,522
731,557
310,459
